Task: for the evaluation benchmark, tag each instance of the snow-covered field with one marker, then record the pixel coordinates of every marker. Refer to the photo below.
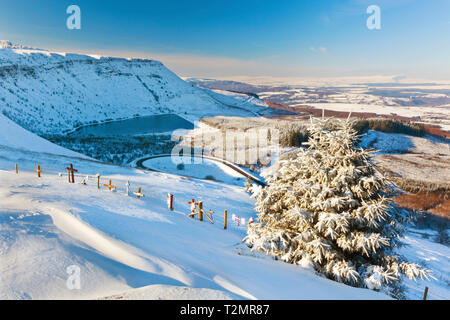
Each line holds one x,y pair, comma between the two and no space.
420,247
418,158
244,141
387,142
435,115
197,168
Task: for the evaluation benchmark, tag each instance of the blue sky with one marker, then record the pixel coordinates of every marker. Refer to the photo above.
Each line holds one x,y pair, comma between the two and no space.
248,37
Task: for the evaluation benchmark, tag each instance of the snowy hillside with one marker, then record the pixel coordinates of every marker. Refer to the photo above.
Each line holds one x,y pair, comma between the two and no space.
14,136
48,92
425,158
387,142
121,243
128,248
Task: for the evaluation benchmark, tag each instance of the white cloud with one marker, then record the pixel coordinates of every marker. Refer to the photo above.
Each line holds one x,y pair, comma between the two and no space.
320,49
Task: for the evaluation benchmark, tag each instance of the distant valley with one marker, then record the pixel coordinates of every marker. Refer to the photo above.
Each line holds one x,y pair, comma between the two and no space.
428,103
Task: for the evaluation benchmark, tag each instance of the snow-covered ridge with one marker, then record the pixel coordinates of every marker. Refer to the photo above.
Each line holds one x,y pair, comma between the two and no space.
23,55
49,92
8,44
5,44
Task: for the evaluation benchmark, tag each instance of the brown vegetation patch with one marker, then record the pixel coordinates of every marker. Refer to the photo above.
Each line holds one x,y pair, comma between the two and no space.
436,131
437,202
431,197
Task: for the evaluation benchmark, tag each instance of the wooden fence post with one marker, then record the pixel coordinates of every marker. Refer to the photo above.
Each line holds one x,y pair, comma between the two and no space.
128,188
38,171
425,293
193,205
98,180
139,194
110,186
70,171
170,201
209,216
225,219
200,212
17,169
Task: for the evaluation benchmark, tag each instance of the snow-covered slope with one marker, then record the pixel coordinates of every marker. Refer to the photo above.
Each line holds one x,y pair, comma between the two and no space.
128,248
418,158
48,92
14,136
121,243
387,142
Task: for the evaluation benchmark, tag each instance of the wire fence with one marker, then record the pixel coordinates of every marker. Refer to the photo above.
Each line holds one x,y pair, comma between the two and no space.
234,221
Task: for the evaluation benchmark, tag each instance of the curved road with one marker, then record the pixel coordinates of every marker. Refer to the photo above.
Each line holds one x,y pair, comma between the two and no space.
139,164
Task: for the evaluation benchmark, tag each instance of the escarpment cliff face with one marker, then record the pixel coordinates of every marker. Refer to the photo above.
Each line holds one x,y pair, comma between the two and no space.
51,93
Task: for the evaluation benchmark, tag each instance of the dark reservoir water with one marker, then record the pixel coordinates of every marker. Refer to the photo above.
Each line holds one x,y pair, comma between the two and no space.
136,126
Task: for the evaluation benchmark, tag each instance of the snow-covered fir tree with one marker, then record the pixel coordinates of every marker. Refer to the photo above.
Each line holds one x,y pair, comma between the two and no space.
328,207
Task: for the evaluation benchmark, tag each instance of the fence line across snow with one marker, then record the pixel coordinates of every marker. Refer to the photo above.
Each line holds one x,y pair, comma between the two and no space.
105,183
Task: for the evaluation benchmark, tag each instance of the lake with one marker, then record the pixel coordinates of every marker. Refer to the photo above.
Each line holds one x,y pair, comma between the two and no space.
136,126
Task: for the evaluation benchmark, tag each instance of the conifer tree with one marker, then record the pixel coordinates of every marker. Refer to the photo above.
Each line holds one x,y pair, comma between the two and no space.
328,207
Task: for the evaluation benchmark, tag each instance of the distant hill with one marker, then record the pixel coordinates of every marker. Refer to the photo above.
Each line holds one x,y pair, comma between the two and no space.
50,93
